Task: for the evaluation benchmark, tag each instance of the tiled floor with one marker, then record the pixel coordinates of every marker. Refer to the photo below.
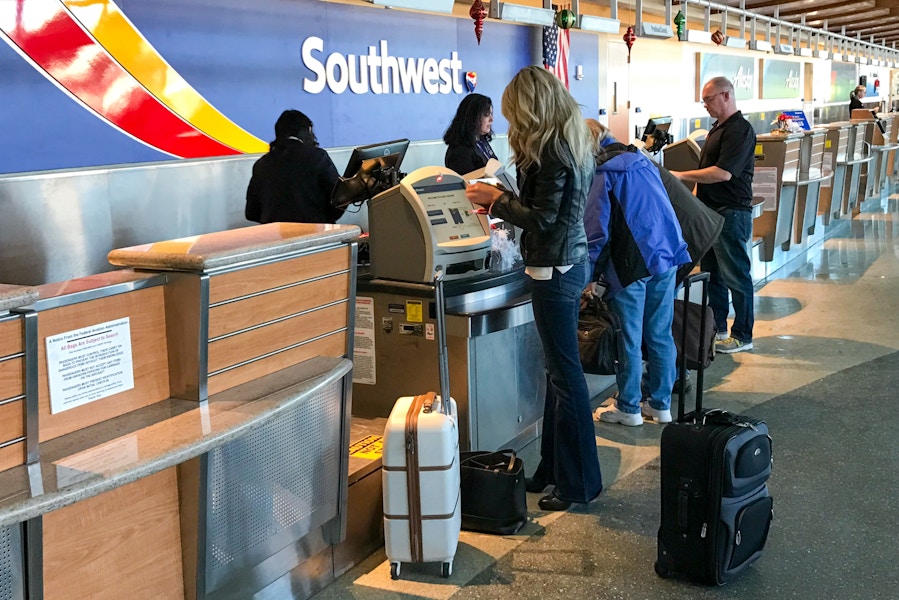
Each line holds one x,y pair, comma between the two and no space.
832,309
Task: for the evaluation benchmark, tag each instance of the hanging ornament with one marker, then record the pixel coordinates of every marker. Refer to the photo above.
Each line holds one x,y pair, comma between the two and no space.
718,37
680,22
478,13
471,80
629,38
565,19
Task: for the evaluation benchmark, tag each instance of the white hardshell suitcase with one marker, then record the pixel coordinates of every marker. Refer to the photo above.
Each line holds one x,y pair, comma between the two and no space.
422,500
420,471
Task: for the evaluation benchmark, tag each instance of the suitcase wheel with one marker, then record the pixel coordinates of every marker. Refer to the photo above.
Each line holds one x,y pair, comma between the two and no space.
395,570
662,571
446,569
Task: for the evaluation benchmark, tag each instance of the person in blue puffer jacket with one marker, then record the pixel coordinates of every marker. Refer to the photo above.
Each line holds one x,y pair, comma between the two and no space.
636,246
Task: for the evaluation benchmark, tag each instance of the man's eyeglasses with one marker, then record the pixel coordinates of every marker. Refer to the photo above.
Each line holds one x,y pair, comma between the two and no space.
708,99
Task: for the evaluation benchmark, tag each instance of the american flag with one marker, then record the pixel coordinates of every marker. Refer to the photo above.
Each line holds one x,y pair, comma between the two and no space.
556,44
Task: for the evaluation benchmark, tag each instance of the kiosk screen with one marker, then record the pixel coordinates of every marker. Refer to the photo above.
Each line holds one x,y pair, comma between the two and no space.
449,212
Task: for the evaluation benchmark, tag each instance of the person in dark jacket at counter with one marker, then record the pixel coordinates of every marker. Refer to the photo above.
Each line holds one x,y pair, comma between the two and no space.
468,136
554,160
293,181
855,98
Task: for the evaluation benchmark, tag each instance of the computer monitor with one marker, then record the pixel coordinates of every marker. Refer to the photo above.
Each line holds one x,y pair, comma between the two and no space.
656,135
390,155
370,170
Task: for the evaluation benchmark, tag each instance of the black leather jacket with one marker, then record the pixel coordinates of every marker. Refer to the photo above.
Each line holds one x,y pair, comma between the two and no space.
550,210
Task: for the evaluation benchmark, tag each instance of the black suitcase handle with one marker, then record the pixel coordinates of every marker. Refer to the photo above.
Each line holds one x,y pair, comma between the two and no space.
702,276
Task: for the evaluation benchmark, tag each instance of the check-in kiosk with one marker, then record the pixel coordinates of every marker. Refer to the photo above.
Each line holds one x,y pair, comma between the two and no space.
811,177
892,155
835,158
496,362
877,135
779,154
860,157
682,155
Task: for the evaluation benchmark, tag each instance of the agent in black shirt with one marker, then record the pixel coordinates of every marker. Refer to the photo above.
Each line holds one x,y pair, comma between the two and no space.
468,136
724,183
293,181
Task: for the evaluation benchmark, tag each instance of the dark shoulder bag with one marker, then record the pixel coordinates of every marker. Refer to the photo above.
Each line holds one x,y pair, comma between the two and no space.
598,338
493,492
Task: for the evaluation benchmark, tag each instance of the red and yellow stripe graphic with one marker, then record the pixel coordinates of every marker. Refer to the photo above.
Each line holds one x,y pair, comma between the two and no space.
89,49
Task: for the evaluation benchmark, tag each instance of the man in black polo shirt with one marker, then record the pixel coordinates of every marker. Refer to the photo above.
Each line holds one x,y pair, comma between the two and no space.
724,179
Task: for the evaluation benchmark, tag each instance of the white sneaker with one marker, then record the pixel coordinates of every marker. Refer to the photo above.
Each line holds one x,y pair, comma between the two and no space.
721,336
659,416
614,415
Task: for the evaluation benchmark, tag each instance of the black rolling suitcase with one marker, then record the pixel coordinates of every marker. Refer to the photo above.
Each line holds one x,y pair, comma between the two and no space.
716,510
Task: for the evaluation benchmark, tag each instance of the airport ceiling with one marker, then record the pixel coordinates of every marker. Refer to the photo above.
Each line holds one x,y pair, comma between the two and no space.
871,21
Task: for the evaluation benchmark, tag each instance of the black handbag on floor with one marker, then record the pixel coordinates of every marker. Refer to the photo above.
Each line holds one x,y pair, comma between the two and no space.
598,333
493,493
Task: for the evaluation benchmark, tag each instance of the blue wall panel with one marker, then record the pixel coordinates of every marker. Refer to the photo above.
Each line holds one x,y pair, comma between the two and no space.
245,59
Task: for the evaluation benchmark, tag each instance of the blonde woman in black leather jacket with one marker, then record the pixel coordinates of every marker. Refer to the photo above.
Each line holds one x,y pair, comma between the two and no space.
553,155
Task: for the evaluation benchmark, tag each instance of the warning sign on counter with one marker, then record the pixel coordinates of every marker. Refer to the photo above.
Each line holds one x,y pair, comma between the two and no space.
88,364
370,447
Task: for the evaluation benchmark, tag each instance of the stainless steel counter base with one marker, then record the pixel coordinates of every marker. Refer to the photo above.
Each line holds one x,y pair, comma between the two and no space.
496,363
12,573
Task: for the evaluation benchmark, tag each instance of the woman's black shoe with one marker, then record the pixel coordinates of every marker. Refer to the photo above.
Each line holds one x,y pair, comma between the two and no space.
535,485
553,502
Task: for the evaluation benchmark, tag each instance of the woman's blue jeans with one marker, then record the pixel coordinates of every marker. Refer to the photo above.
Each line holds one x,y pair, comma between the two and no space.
730,270
645,309
568,449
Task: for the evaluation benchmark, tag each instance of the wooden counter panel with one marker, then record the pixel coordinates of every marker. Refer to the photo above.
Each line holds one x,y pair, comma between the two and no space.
12,337
125,543
12,420
258,342
12,378
332,345
149,354
12,456
257,279
234,316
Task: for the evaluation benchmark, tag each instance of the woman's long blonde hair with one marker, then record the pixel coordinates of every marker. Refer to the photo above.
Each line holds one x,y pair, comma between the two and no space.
541,114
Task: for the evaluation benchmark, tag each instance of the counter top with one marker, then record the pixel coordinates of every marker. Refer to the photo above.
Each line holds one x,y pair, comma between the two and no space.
14,296
225,248
119,451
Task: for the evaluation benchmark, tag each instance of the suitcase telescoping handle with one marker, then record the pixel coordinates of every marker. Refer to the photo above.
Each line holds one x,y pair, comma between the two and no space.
702,276
443,366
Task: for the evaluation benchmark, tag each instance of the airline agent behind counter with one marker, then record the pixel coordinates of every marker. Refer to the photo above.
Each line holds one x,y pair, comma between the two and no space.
469,134
294,180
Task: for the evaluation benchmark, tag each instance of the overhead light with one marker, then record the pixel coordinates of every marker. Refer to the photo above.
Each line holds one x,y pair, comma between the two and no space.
444,6
862,60
783,49
760,45
526,14
655,30
837,56
735,42
822,54
803,51
599,24
700,37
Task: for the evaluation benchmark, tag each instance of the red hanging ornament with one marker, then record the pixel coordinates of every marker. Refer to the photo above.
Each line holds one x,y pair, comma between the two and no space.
718,37
478,13
629,38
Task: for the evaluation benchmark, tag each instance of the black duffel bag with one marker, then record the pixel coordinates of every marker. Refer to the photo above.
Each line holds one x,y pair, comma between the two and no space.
493,493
